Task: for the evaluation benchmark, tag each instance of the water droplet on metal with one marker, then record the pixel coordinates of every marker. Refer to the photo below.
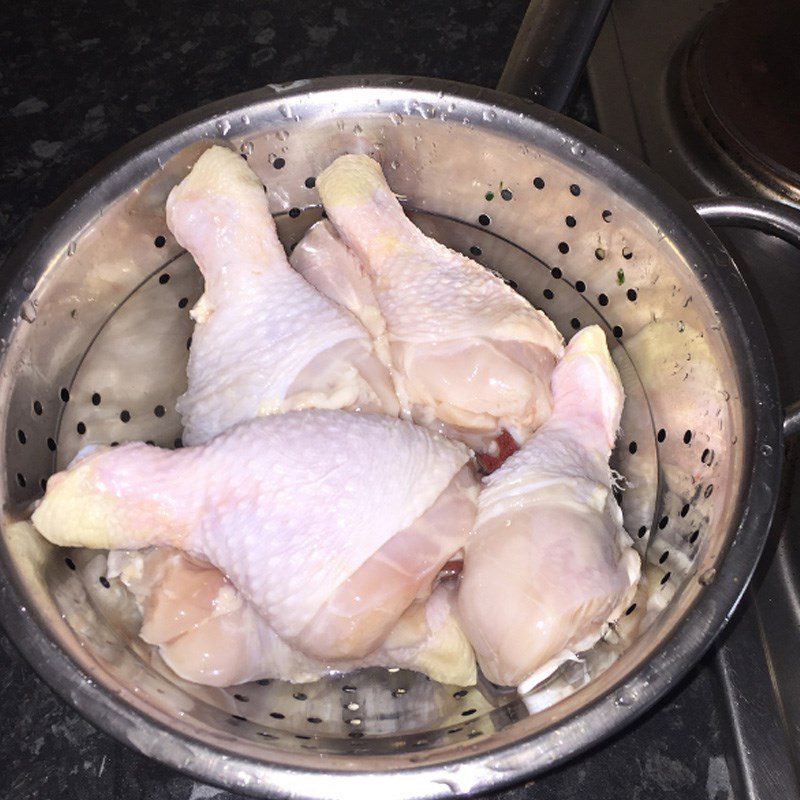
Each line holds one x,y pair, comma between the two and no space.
28,311
223,126
489,115
623,699
246,148
578,149
285,110
502,766
245,119
465,121
271,157
681,326
357,129
28,283
451,108
766,450
708,577
396,118
72,248
394,164
282,135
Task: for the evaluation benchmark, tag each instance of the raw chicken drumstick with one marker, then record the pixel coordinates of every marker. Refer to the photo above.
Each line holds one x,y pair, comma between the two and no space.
265,340
227,640
331,267
208,633
467,352
331,523
549,563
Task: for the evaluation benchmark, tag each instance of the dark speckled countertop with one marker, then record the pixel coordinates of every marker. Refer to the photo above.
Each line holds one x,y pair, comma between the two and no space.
78,79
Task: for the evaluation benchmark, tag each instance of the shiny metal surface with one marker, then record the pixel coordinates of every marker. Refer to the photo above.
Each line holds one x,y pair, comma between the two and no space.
639,88
551,48
776,606
85,301
769,217
757,733
739,84
638,76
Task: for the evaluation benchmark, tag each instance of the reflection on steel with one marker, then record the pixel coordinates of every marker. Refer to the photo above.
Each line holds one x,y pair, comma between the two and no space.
551,49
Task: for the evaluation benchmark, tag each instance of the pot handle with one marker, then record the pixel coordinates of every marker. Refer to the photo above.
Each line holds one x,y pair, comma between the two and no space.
551,49
768,216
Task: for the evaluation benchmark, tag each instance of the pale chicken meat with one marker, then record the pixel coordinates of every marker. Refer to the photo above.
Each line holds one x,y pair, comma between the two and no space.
330,523
323,260
549,563
207,632
304,530
332,268
265,340
469,355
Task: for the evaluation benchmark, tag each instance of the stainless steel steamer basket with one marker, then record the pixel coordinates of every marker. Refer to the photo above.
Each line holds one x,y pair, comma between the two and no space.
95,323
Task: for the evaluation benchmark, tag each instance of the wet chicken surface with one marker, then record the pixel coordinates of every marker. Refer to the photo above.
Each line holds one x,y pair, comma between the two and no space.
329,479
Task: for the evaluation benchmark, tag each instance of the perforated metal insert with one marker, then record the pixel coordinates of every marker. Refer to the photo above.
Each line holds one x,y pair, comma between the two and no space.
100,351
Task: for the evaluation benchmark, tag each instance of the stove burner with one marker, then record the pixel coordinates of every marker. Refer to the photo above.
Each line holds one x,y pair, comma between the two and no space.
742,76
